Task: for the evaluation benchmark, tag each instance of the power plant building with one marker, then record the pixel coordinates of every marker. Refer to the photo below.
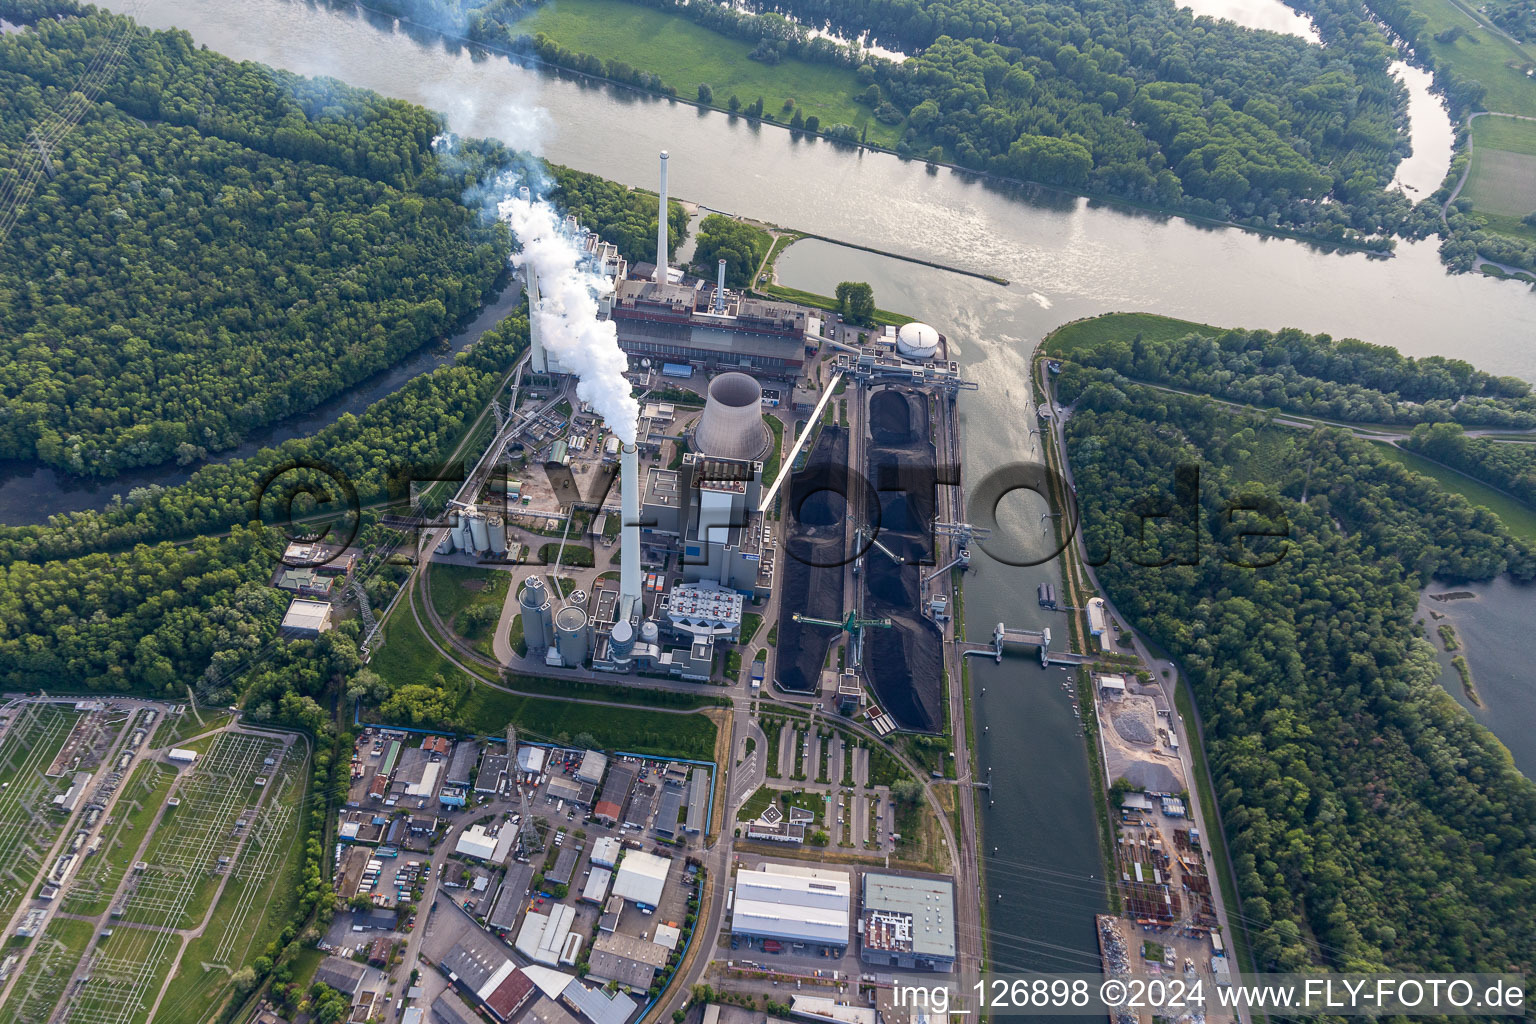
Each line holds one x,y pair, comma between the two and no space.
673,323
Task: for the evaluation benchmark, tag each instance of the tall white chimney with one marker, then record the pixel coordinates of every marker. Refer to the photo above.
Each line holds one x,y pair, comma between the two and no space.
720,288
629,535
661,225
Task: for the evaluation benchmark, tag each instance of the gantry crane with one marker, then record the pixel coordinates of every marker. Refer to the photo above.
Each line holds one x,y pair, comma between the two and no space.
852,625
964,534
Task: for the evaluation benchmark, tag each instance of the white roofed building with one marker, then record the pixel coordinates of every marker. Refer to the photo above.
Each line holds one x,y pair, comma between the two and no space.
641,878
542,938
792,903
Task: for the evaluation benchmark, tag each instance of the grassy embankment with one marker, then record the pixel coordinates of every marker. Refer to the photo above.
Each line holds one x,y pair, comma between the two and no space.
687,55
1122,326
1517,517
883,317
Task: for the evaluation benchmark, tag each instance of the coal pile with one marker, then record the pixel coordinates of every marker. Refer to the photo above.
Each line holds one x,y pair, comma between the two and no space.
811,577
903,663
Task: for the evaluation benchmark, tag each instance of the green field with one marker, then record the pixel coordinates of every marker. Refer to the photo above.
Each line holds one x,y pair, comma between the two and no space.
1518,518
883,317
637,730
1481,53
1502,179
1121,326
686,55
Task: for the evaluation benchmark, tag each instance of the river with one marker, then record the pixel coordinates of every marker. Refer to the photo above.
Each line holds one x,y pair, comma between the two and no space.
1066,257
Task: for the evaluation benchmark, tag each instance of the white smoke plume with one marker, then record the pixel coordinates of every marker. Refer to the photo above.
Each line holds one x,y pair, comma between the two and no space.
572,332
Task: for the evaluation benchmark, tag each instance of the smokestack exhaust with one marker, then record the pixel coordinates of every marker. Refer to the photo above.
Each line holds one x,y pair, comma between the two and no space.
720,288
629,535
661,226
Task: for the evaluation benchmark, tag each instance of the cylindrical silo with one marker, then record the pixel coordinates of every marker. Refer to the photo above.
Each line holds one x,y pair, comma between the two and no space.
649,632
732,425
496,528
571,635
578,598
534,606
621,641
917,341
479,531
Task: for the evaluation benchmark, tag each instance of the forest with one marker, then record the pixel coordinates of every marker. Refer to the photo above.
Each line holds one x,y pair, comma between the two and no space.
1373,824
741,245
222,245
1508,466
1132,99
1317,375
1144,101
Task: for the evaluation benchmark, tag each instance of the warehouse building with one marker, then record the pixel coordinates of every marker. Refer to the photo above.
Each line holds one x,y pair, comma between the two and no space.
908,922
605,852
593,764
610,806
626,960
793,904
641,878
543,938
306,618
565,865
514,893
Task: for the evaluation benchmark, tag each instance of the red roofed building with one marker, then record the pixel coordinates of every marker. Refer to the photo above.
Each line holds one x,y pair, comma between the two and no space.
508,997
436,744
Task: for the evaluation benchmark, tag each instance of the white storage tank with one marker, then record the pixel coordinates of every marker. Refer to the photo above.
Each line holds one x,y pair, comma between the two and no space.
917,341
496,527
649,633
571,635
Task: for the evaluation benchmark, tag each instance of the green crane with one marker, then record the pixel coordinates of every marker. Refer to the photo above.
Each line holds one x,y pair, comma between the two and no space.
852,625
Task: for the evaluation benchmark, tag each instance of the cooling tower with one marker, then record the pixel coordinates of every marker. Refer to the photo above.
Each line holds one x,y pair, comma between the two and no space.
661,225
732,425
629,530
535,607
571,635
